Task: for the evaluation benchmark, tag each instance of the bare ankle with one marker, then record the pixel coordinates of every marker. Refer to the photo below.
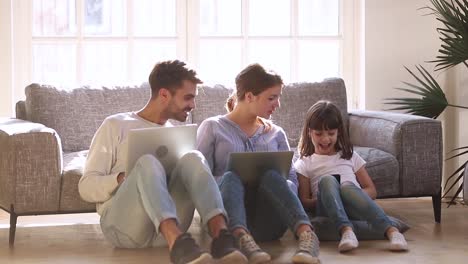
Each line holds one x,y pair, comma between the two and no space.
390,231
216,224
345,229
170,231
303,228
237,232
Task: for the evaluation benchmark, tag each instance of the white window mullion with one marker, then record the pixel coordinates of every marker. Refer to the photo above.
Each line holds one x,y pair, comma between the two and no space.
188,31
22,47
294,45
79,41
343,25
130,41
358,65
245,31
346,43
6,53
350,51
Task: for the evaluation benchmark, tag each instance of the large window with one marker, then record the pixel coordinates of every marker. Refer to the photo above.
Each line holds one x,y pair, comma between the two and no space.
299,39
118,41
103,41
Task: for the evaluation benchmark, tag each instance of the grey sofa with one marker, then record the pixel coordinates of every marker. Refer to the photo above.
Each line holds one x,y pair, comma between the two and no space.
43,149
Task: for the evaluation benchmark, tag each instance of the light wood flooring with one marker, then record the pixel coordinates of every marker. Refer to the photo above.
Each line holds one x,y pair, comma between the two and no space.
76,238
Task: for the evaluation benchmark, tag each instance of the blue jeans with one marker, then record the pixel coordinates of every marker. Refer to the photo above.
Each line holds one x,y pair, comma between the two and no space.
342,202
147,197
267,210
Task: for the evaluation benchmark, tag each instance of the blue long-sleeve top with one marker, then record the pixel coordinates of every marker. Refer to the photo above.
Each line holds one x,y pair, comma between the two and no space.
218,136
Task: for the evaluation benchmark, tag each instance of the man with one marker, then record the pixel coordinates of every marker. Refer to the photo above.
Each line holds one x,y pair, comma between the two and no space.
137,209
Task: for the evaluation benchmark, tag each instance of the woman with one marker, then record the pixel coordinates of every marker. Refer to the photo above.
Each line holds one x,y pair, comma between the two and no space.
273,206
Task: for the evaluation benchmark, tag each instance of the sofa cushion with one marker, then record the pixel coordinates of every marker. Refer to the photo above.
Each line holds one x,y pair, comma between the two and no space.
210,102
76,114
383,169
297,98
70,201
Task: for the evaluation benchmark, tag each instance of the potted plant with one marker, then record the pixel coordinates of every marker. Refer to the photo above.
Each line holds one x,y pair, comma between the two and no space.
453,15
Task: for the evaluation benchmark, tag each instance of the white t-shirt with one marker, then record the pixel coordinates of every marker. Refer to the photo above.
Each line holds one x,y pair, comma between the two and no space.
107,157
315,166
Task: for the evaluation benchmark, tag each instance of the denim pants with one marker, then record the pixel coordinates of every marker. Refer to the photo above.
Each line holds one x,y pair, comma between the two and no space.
147,197
267,210
342,202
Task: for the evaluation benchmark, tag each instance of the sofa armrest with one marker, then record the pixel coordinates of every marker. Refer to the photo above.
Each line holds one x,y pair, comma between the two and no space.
415,141
30,166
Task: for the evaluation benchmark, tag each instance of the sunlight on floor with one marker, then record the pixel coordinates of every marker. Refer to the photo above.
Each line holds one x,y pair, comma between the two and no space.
51,220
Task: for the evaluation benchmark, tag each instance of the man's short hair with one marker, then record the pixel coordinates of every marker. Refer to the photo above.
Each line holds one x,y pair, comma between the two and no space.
170,75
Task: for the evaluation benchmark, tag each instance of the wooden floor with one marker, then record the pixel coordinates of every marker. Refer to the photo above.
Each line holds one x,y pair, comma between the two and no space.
77,238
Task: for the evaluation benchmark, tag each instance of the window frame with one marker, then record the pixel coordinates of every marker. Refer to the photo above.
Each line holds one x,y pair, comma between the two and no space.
350,37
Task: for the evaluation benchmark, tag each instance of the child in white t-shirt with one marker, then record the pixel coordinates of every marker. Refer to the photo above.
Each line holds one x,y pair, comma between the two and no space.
334,182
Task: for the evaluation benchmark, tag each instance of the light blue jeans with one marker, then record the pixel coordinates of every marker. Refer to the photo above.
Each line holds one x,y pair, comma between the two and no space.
147,197
267,210
342,202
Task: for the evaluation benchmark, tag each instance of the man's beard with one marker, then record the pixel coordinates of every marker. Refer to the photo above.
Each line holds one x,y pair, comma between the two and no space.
181,115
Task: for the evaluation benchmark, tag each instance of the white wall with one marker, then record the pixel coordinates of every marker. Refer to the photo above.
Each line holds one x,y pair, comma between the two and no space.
397,34
6,102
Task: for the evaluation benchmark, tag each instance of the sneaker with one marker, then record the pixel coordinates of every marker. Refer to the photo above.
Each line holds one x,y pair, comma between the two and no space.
186,251
224,249
348,241
398,242
251,250
308,250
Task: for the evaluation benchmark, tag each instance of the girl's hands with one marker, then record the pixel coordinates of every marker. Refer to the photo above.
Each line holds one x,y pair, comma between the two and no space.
305,194
366,182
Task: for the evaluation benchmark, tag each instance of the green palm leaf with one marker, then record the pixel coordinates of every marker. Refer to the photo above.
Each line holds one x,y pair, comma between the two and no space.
458,172
432,101
454,16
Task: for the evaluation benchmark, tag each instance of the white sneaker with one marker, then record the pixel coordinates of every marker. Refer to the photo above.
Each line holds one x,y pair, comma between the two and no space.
398,242
348,241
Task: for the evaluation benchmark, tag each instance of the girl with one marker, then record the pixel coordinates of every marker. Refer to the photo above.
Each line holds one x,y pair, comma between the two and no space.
273,206
334,181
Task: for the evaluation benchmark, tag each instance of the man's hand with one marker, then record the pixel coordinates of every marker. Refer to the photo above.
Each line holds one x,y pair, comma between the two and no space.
121,177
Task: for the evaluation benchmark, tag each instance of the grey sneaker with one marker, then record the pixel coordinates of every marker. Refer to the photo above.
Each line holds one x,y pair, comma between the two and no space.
185,250
308,249
251,250
224,250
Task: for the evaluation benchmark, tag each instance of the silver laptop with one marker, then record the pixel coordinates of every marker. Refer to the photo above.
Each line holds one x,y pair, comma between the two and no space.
250,165
167,144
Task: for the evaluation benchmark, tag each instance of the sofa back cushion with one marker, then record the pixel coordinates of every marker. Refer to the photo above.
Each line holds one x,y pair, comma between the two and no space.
77,113
210,102
296,99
